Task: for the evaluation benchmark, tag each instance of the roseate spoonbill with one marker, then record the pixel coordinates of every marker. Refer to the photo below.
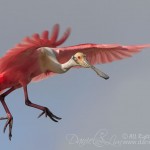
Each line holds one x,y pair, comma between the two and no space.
38,57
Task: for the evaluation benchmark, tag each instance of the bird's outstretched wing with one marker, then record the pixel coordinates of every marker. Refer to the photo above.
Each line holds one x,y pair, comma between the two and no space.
99,53
29,45
96,54
44,40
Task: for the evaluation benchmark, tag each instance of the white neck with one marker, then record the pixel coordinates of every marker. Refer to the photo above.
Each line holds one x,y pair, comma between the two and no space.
66,66
49,62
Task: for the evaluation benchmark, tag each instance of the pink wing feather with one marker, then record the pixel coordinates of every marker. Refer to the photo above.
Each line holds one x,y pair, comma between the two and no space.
99,53
29,45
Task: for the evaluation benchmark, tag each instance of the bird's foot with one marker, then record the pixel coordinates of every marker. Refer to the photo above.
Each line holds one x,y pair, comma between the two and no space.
48,113
8,122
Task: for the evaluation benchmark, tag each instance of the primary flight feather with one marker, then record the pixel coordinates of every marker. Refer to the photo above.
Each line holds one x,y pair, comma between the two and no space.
38,57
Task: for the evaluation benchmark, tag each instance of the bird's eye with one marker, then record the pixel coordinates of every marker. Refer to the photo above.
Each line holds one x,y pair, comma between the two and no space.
79,57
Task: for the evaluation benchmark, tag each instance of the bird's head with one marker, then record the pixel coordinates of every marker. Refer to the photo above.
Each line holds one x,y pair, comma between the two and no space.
80,60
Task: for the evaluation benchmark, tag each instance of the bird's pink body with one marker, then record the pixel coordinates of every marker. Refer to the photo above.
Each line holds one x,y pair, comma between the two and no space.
38,57
20,70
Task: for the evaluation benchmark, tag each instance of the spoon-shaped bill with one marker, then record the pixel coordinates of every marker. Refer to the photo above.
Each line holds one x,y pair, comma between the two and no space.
100,73
86,64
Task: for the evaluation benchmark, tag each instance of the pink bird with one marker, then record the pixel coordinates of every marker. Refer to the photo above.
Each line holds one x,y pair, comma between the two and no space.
38,57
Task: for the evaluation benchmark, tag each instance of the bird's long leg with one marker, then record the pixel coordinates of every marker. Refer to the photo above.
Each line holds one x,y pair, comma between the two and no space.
9,115
45,110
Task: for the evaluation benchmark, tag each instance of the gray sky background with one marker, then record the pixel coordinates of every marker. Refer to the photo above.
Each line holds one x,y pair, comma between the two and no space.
87,104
